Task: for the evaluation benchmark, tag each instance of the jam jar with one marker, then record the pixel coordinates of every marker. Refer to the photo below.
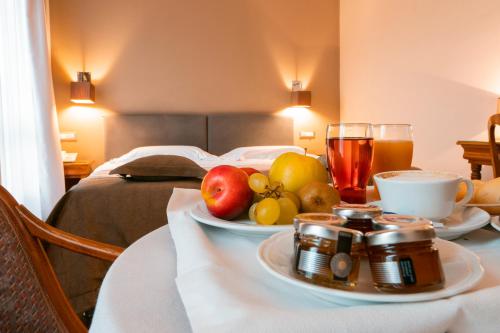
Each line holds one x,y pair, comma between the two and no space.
396,221
359,216
405,260
328,255
317,218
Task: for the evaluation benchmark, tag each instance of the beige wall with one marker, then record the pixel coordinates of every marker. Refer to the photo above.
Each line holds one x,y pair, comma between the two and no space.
434,64
194,56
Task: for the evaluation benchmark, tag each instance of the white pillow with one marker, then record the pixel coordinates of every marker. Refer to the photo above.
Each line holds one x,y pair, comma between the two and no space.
191,152
260,152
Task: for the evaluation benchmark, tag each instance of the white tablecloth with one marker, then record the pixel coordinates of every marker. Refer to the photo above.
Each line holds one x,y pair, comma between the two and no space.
139,293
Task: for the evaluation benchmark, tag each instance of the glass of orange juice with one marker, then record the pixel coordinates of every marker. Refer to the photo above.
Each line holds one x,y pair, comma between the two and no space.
392,147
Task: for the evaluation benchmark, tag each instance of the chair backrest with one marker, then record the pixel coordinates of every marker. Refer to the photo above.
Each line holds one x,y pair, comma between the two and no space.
31,298
495,160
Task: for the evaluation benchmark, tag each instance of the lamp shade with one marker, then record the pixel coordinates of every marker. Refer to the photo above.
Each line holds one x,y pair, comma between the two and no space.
301,98
83,91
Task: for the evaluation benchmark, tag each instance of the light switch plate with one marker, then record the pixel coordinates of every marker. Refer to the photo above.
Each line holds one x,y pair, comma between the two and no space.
307,134
67,136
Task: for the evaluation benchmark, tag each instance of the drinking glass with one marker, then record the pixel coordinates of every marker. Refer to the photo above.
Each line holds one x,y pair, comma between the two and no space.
349,149
392,147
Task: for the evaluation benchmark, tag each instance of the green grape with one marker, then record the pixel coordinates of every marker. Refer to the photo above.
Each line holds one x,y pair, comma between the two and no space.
293,197
288,210
258,182
267,211
251,211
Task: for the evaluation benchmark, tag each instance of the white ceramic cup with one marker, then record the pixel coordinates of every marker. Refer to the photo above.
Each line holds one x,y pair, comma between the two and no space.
429,194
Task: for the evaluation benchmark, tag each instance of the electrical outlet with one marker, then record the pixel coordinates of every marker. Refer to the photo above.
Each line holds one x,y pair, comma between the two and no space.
67,136
307,134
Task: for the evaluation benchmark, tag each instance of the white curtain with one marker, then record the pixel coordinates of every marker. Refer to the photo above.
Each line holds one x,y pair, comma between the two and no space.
30,159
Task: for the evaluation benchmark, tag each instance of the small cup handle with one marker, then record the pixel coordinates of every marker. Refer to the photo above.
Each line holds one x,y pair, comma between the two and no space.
468,195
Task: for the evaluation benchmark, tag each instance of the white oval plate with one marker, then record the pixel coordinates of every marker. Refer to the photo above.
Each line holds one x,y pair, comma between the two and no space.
200,213
461,222
461,267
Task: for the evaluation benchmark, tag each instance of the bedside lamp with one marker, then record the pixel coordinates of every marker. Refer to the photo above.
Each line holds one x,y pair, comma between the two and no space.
300,98
83,91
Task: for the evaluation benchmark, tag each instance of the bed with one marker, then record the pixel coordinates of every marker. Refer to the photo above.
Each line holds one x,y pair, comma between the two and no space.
110,209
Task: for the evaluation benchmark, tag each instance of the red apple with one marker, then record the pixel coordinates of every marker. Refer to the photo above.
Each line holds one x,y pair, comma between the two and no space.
226,192
250,171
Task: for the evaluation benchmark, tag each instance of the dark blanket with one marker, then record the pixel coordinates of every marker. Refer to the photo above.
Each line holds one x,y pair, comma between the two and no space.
110,210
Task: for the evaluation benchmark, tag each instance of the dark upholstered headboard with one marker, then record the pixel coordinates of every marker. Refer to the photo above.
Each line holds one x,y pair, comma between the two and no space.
229,131
124,132
217,133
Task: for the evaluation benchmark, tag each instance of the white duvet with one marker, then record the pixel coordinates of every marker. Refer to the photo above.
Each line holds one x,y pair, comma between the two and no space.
257,157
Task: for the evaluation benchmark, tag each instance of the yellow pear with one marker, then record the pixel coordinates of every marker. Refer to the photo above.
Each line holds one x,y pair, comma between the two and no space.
295,170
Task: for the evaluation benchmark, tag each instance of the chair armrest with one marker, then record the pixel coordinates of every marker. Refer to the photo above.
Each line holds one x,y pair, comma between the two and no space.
71,242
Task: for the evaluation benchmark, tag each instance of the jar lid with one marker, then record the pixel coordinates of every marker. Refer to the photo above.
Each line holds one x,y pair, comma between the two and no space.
318,218
357,211
404,235
396,221
329,231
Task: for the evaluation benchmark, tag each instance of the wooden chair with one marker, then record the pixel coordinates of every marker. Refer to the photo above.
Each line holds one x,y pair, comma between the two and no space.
495,161
31,298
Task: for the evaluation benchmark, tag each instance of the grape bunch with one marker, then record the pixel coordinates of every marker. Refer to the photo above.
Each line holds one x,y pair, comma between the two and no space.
272,204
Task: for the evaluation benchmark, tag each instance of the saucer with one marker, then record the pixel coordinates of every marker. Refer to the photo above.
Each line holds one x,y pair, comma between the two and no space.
462,221
493,209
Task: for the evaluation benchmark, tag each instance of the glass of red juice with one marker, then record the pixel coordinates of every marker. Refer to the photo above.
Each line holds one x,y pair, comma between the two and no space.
349,150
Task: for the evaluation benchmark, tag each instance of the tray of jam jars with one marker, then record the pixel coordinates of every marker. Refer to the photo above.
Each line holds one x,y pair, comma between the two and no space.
375,258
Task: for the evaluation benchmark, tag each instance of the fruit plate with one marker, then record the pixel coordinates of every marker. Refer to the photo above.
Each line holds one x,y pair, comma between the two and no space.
492,209
461,267
461,222
200,213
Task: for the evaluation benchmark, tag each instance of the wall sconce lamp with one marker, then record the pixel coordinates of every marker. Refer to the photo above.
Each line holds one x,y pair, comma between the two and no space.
83,91
300,98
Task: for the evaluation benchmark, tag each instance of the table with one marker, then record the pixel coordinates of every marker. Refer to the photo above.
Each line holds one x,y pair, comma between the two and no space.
139,292
477,153
75,171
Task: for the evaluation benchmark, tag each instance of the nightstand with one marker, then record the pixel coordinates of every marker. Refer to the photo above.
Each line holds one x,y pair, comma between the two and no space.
74,171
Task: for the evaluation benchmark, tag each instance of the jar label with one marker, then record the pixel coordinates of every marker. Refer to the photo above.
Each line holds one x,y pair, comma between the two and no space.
314,262
394,272
341,264
386,272
407,271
